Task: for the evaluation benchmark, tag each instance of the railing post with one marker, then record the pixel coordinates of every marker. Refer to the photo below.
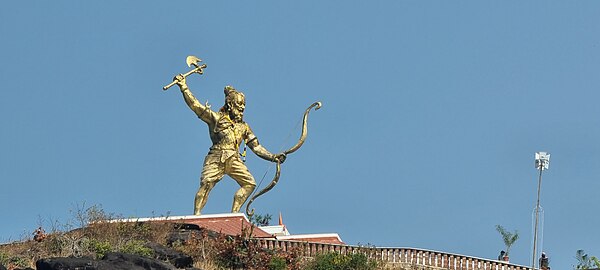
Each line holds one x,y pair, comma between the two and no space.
430,258
305,249
404,256
401,255
413,257
444,260
418,254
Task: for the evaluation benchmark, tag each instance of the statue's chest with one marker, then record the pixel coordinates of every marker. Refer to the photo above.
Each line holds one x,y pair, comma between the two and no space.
228,131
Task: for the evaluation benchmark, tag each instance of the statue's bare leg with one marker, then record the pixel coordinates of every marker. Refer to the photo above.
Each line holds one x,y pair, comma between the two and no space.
212,172
240,197
202,197
238,171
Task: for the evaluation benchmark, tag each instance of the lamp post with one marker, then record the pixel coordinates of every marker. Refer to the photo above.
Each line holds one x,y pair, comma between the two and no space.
542,160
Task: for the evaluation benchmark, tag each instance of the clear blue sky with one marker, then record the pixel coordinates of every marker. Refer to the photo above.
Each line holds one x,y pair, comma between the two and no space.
433,111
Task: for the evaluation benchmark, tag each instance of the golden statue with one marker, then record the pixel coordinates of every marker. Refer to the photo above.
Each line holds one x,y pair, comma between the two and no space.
227,131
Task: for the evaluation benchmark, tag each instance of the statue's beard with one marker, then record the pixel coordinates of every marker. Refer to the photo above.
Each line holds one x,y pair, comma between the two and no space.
236,115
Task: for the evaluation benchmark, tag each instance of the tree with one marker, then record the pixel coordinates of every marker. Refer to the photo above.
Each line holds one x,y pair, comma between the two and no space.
508,237
261,220
585,262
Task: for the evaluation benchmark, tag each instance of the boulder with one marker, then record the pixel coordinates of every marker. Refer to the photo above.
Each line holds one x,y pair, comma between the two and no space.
124,261
183,235
110,261
66,263
178,259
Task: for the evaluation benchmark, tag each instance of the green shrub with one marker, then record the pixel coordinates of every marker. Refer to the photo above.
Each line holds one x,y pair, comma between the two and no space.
277,263
13,261
100,248
337,261
4,259
55,244
19,262
136,247
133,230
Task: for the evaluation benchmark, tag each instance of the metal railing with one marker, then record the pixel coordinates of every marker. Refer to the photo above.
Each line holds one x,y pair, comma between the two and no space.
406,256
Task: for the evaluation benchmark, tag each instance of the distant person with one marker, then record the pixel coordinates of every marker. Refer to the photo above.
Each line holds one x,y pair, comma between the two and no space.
544,262
501,256
39,234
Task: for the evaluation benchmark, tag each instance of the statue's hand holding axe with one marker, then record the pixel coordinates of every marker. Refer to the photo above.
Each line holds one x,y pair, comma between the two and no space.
191,61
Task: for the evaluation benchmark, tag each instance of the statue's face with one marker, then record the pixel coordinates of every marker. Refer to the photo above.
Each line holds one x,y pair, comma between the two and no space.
236,107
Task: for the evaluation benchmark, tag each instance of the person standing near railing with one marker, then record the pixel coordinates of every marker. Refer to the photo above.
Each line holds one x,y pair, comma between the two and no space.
544,262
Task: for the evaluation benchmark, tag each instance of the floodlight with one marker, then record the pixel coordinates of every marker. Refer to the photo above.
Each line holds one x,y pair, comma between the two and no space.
542,160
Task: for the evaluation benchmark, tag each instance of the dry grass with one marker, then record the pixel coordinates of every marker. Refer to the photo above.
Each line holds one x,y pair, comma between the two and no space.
97,233
94,235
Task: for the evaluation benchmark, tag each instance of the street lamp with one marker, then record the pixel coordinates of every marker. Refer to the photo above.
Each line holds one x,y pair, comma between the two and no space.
542,160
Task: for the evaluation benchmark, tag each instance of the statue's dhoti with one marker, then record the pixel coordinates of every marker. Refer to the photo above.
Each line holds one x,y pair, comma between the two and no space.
217,164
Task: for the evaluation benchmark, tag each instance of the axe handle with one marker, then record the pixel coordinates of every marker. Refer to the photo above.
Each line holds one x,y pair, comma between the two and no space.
169,85
197,69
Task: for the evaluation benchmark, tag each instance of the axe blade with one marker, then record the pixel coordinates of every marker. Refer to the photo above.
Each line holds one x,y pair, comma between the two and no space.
192,60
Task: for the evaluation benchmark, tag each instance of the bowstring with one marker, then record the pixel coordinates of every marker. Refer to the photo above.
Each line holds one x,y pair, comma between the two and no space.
270,166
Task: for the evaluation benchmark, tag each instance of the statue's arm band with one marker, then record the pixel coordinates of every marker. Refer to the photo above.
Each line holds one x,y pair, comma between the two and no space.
253,139
201,115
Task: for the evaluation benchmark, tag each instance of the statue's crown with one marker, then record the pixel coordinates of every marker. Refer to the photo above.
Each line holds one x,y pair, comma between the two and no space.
230,90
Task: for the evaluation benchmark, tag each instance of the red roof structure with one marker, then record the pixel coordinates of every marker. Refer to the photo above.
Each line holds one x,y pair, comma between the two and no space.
236,223
230,224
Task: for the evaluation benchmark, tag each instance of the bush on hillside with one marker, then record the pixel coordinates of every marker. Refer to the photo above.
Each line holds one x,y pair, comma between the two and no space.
337,261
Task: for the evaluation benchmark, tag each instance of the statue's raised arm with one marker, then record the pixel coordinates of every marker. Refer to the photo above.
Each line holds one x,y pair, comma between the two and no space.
203,111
